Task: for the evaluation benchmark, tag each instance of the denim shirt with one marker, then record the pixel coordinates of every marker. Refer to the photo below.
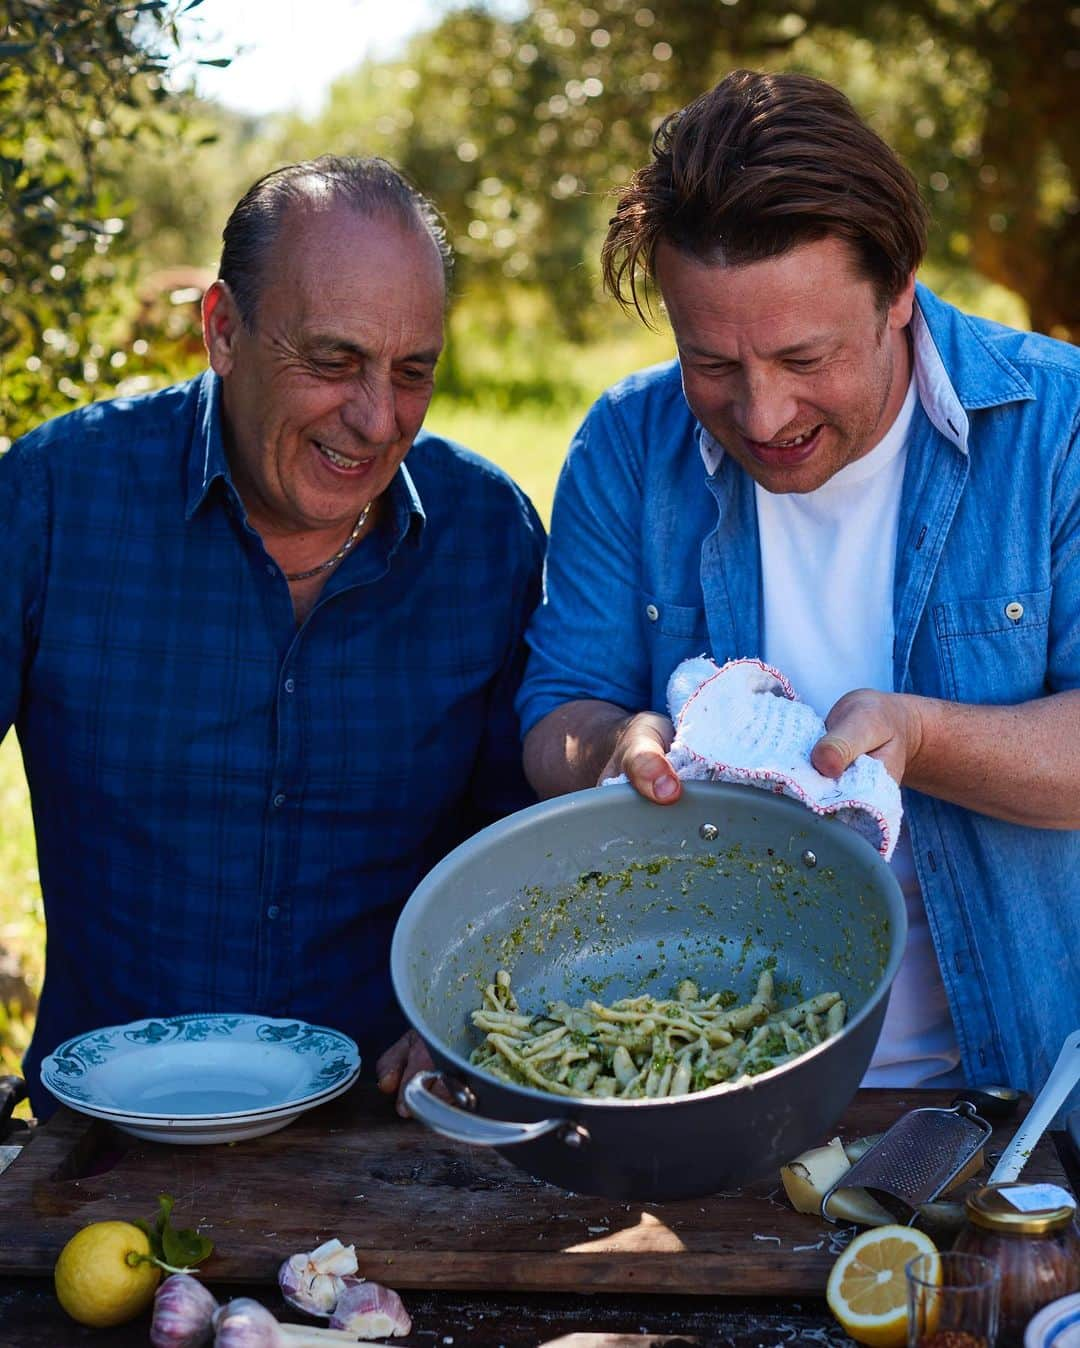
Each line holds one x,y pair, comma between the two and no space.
231,810
652,560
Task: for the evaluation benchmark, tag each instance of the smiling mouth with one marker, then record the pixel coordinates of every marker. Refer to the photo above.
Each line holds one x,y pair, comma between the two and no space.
795,447
795,442
341,461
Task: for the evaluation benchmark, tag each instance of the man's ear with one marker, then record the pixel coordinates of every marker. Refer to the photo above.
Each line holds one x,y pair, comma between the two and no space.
221,325
902,307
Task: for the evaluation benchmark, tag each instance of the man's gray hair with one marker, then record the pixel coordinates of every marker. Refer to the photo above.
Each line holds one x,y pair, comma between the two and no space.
371,186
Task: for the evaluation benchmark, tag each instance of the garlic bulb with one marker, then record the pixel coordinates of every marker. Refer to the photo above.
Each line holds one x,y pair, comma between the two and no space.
313,1282
243,1323
183,1313
370,1311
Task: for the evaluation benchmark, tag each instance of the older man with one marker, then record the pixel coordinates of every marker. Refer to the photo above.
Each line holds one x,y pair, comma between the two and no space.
877,494
262,672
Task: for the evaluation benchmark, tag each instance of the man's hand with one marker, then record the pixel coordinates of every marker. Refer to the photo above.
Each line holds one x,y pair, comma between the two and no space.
639,752
887,726
401,1061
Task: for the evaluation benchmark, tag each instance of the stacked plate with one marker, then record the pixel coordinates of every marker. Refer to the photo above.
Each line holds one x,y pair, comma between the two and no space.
1056,1325
196,1079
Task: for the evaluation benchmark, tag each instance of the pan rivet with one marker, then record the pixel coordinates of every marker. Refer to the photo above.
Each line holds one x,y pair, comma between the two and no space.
809,859
573,1135
709,832
462,1095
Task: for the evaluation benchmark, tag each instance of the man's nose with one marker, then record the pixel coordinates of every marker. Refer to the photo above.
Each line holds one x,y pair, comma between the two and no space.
370,410
766,408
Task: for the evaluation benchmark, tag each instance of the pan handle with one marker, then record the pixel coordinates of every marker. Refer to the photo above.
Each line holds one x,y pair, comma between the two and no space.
463,1126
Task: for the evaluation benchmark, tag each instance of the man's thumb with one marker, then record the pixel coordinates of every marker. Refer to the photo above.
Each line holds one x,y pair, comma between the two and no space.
832,755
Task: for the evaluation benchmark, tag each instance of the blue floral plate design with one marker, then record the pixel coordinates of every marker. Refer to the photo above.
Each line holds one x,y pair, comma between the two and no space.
202,1078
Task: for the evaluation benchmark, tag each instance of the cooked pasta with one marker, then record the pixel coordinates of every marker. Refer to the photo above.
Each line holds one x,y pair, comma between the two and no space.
641,1047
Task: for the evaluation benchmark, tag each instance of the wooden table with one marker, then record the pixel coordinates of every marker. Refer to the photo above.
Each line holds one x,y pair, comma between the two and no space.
481,1253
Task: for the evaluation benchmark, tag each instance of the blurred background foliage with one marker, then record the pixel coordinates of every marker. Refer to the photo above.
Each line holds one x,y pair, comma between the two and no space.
115,183
115,180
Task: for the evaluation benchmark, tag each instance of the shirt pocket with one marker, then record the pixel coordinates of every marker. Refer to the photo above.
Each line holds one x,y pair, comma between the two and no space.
673,620
994,650
673,633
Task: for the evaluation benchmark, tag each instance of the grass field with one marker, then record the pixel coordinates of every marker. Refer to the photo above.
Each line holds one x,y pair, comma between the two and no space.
530,444
529,391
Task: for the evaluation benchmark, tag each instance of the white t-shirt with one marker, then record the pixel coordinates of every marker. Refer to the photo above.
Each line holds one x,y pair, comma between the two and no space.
827,563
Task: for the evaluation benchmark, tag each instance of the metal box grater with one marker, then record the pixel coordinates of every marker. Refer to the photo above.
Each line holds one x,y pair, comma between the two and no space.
915,1160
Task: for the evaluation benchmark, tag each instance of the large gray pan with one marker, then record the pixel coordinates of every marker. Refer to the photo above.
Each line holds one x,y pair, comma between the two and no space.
601,894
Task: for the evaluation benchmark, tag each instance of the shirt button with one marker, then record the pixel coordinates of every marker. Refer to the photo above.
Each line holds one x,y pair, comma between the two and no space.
272,911
652,612
1014,611
290,684
271,569
279,800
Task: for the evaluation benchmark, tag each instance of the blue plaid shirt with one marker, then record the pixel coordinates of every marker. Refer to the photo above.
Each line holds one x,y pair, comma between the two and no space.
230,812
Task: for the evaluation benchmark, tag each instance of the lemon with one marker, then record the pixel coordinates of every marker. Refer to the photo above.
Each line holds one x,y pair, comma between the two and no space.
867,1290
94,1281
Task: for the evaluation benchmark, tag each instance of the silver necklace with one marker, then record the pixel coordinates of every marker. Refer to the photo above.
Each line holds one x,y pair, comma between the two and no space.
346,547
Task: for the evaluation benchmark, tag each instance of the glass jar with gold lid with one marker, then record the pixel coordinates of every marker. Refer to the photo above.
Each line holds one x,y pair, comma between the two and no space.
1030,1232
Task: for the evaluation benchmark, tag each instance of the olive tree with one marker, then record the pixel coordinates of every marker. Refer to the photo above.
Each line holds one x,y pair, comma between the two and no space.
79,80
521,124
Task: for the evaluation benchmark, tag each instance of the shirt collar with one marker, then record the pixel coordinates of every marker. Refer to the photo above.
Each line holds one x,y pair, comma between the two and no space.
976,376
206,455
207,463
407,509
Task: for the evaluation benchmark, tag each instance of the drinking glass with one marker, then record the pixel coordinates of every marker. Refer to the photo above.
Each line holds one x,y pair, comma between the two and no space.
952,1300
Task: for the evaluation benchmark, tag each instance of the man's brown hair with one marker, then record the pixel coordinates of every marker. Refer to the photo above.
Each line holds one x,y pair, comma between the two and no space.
758,165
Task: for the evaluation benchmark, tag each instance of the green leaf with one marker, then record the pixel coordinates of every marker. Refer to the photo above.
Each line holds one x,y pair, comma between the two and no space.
166,1203
186,1247
175,1251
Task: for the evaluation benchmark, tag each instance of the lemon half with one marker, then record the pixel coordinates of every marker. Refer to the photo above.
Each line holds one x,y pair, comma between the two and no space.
94,1282
867,1290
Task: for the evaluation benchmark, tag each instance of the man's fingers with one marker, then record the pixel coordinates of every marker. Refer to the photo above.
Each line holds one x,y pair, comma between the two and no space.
885,726
650,774
640,753
390,1065
419,1060
833,754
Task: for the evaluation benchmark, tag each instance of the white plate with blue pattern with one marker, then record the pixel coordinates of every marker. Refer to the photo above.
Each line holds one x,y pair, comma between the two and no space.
202,1078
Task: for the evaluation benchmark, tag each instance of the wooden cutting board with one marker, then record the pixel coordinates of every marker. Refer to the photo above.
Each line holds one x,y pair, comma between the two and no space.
424,1212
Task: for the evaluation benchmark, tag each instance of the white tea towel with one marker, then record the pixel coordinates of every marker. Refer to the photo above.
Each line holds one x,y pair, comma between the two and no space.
743,722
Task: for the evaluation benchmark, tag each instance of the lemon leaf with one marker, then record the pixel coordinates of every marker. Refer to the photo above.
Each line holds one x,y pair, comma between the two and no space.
185,1247
175,1251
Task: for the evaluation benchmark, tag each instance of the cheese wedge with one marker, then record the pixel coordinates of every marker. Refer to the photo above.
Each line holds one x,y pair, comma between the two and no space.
809,1178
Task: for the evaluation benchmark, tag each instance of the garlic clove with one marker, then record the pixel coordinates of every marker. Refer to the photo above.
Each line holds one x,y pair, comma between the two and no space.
243,1323
183,1313
313,1282
370,1311
316,1295
333,1257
